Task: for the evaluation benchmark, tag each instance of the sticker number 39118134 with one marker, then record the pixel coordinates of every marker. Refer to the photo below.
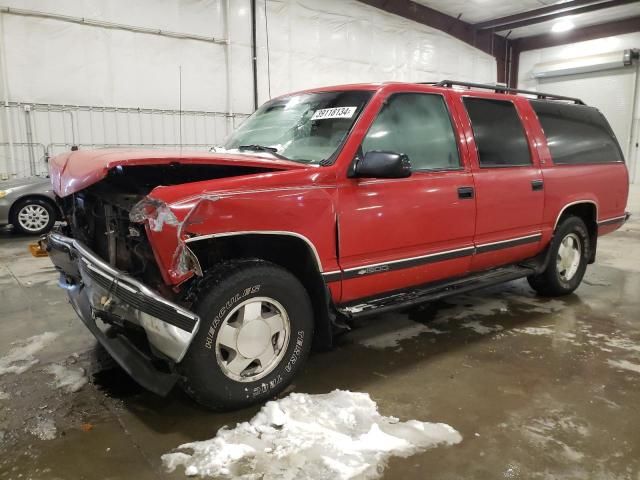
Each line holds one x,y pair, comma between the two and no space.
337,112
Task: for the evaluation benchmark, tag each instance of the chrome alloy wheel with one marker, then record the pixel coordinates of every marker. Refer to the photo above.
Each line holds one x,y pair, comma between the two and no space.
253,339
569,255
33,217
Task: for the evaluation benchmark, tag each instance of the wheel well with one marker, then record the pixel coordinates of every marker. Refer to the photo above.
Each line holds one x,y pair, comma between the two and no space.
291,253
44,198
588,213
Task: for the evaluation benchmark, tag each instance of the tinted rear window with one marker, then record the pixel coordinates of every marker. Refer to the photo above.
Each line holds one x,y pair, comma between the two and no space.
577,133
498,132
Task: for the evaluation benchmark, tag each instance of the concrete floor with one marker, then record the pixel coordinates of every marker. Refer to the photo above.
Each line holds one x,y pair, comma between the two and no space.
538,388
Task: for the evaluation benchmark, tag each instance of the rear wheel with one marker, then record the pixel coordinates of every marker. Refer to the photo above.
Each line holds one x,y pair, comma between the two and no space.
255,333
33,216
568,260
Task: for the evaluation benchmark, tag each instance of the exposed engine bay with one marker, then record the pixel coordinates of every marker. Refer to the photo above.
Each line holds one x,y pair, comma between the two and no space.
98,216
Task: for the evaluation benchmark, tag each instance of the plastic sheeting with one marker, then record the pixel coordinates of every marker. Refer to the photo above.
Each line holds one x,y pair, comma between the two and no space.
312,43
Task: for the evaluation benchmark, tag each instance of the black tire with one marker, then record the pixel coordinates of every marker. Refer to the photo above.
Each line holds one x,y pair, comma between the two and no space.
37,203
552,282
224,289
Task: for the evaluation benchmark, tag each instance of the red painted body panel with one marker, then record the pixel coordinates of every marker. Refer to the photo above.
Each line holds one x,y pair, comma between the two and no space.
82,168
377,221
506,205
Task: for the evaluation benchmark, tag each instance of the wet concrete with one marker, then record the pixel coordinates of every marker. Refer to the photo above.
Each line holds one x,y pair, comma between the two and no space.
538,388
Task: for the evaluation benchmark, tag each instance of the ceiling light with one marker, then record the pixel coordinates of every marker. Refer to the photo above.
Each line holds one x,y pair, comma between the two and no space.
562,26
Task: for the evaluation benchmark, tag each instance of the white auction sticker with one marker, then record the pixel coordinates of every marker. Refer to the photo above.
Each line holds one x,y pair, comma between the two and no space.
337,112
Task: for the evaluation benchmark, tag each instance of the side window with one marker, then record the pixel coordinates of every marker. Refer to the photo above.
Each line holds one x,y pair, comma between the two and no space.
576,133
418,125
498,132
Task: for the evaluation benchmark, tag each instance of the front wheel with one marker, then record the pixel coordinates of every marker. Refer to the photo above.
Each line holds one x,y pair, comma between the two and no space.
256,331
568,260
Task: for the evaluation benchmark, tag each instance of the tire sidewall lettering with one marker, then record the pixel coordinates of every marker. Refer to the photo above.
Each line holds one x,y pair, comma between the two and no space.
220,316
266,386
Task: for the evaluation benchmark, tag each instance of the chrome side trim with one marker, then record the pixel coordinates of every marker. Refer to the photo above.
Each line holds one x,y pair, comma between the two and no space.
409,259
263,232
514,239
574,203
619,219
384,267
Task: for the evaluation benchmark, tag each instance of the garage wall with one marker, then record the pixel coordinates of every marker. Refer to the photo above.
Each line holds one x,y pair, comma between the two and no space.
614,92
68,83
314,43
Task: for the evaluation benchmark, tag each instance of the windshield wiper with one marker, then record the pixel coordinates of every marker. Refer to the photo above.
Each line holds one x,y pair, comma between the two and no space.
262,148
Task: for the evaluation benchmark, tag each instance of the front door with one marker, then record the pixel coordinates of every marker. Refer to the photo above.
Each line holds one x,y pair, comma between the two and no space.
396,233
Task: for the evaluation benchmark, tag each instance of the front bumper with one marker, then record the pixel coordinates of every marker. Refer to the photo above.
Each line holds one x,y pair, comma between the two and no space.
104,297
5,207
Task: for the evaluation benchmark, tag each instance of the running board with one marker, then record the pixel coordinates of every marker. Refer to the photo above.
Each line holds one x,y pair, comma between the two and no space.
433,291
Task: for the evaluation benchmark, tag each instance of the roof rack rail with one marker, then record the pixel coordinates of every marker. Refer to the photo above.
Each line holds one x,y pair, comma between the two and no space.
501,89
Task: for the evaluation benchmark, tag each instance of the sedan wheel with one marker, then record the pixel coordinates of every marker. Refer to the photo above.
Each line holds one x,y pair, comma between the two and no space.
33,218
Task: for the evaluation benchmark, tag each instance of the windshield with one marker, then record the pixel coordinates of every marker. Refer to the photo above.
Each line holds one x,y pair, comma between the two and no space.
307,128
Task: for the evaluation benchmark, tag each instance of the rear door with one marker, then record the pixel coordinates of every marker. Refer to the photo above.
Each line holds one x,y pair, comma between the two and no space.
508,180
395,233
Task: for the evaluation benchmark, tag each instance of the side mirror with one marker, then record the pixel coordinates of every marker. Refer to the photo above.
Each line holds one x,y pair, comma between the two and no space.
381,164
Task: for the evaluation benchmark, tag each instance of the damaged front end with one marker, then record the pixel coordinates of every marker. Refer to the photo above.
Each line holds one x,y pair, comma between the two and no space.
156,214
126,268
119,310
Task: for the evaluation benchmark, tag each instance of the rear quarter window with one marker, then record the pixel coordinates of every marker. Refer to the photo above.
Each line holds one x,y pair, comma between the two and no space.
577,134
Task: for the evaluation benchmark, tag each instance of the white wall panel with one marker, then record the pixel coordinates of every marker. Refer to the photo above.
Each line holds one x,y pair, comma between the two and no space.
200,17
57,62
312,43
315,43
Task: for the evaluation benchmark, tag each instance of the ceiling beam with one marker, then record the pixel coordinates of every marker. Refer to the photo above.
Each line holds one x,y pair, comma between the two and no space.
550,9
487,41
551,12
545,14
616,27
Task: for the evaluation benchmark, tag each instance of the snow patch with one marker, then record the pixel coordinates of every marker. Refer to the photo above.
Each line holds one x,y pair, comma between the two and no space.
535,330
44,429
552,430
339,435
4,395
479,328
20,358
68,379
622,343
625,365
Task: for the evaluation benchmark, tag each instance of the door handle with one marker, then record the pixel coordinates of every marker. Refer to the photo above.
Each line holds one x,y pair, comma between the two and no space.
465,192
537,185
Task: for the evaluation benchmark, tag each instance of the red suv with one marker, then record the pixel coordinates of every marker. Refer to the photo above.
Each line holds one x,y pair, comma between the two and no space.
219,270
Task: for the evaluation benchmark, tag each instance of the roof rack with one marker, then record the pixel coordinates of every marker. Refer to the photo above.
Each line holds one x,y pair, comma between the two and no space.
500,89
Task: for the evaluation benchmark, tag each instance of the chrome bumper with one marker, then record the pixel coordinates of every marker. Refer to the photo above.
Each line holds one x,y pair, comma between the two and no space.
99,291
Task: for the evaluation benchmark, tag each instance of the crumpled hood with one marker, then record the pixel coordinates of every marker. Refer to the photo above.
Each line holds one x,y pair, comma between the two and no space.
74,171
